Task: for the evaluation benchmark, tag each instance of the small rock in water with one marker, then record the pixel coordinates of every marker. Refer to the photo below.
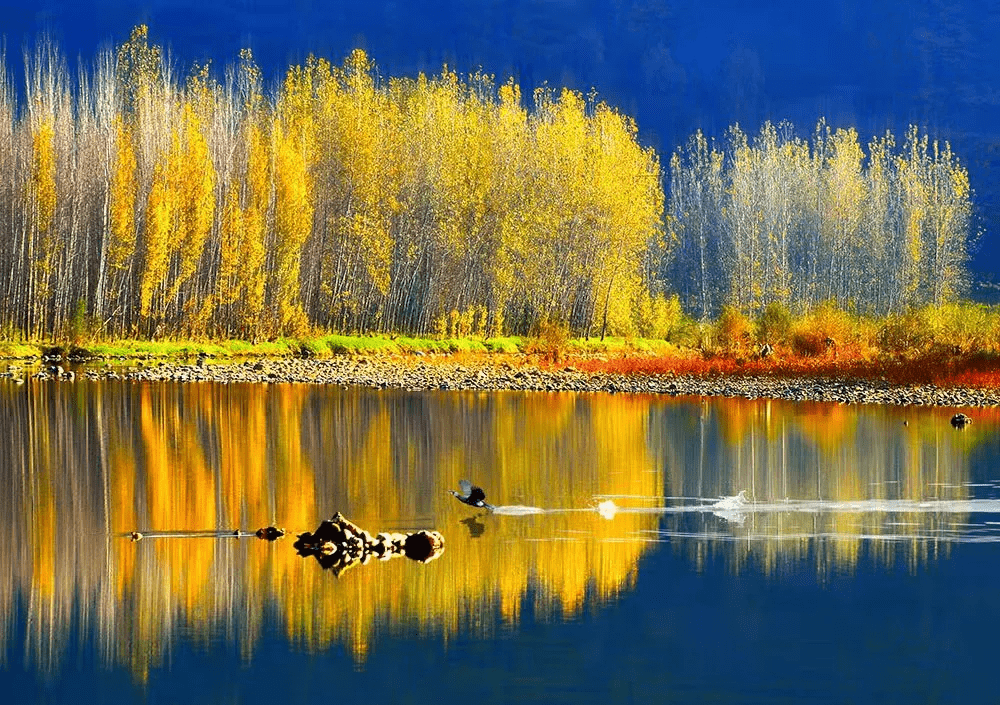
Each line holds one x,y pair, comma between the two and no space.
53,354
960,420
423,546
270,533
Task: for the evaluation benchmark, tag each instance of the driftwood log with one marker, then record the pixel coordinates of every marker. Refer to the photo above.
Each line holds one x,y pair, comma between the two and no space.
339,544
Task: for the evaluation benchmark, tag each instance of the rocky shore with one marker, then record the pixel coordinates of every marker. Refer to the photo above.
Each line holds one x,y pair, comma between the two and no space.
417,374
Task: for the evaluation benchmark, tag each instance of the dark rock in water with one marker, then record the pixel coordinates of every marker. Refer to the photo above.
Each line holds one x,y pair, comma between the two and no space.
270,533
53,354
423,546
337,530
338,544
78,354
960,420
60,373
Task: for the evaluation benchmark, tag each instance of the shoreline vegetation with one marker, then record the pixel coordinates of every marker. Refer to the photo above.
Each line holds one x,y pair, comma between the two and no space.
626,370
945,356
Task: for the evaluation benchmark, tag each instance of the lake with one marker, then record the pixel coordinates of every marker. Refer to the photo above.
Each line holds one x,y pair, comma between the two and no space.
643,548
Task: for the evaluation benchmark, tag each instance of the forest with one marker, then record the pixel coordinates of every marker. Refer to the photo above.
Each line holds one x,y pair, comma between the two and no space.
803,222
152,205
146,202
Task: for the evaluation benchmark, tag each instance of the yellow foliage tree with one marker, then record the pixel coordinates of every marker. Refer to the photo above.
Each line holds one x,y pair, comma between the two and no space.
123,195
193,180
157,232
293,221
43,192
343,200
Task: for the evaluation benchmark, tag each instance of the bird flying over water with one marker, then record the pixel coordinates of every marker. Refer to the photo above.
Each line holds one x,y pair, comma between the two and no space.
471,495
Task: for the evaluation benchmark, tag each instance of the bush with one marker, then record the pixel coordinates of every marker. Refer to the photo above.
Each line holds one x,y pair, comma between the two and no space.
905,333
947,328
775,324
502,345
79,324
732,330
822,330
657,316
811,344
961,326
689,333
551,340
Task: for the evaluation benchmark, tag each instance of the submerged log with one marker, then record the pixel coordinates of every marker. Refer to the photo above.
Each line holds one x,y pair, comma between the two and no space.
339,544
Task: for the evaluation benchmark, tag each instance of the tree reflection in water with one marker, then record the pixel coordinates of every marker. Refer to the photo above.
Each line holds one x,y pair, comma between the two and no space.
89,463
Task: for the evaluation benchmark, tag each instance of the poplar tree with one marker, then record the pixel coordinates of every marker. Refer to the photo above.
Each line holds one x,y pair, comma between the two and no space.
804,223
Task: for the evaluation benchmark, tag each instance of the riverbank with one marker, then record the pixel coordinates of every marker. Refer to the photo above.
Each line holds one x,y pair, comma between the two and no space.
948,378
511,372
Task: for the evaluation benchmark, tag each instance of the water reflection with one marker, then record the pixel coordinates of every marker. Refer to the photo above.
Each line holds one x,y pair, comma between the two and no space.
91,463
824,483
587,484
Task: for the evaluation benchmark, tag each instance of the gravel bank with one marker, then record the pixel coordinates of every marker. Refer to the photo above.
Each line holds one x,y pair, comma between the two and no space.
416,374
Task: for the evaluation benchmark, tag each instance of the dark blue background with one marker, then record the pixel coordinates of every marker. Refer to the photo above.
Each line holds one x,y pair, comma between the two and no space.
676,66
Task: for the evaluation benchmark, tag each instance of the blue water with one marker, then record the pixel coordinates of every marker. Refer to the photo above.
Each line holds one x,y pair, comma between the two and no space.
880,635
837,599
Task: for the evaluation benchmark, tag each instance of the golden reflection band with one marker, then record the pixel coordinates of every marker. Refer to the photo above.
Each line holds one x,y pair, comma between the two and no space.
89,464
89,468
830,482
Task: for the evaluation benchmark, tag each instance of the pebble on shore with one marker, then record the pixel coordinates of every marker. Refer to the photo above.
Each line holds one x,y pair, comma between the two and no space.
415,374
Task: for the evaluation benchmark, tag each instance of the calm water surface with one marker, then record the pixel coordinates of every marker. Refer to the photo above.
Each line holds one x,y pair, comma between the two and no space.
861,562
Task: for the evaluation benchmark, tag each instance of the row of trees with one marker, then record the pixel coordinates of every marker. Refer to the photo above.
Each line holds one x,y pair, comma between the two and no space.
151,204
782,219
146,204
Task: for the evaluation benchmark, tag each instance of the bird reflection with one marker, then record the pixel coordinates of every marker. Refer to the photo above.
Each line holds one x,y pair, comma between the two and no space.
476,527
